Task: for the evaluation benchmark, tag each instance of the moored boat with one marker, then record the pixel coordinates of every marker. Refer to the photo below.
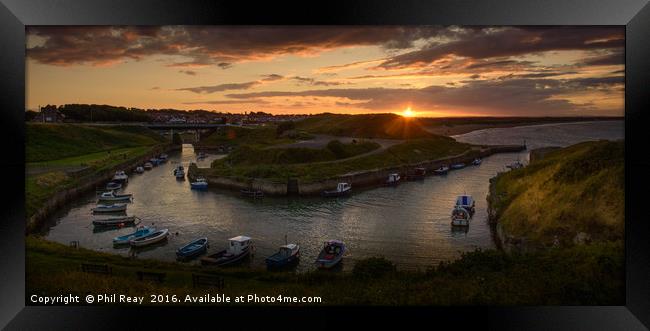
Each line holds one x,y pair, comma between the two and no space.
112,196
120,177
467,202
417,173
341,190
393,179
139,233
148,166
199,183
115,221
443,170
459,165
192,249
152,238
163,158
111,208
515,165
287,254
154,161
179,172
139,169
460,216
477,161
240,247
252,193
113,186
331,254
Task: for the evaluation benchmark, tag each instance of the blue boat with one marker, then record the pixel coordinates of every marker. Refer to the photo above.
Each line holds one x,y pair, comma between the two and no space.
287,254
458,166
199,184
139,233
194,248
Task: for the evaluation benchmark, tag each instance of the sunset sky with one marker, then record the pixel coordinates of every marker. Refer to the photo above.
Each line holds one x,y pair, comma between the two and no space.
437,71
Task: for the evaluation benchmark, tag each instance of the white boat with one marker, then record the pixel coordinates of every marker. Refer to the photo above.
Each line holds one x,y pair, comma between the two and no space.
113,186
460,216
113,208
393,179
239,248
148,166
112,196
199,183
515,165
139,170
120,176
466,202
442,170
477,161
341,189
152,238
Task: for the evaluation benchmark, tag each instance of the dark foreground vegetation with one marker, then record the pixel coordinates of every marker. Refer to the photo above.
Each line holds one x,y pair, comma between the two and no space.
581,275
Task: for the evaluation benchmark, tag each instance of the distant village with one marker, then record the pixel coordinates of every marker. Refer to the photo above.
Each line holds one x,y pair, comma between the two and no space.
104,113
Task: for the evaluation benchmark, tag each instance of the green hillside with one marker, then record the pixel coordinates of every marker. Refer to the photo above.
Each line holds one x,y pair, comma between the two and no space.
578,189
364,126
254,136
46,142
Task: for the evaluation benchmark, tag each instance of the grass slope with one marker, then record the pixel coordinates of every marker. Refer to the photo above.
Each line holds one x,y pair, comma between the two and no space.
235,136
575,189
411,151
364,126
47,142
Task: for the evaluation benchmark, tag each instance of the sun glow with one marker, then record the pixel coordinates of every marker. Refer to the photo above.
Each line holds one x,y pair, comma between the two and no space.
408,112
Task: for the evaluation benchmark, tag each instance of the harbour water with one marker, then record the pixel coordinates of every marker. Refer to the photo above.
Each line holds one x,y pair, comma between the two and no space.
408,224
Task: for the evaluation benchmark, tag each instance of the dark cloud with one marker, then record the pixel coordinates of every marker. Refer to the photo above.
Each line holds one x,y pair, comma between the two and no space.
224,65
512,41
220,87
611,58
272,77
205,45
517,96
226,102
188,72
314,82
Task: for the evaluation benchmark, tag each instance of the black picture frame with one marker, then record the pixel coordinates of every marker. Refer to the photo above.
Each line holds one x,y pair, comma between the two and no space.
633,14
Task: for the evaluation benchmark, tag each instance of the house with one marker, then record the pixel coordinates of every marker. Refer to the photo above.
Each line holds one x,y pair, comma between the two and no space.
49,114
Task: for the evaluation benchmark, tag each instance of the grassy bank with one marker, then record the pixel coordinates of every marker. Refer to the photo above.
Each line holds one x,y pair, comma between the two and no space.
389,126
571,191
411,151
582,275
62,156
50,142
260,137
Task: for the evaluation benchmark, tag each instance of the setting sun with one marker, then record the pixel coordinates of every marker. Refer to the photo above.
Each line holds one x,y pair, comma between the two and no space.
408,112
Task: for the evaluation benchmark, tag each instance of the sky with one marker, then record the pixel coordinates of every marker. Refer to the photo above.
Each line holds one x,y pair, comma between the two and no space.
431,70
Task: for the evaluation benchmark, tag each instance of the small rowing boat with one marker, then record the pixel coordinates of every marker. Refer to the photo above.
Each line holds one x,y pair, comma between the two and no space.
458,165
113,186
112,196
251,193
194,248
149,239
115,221
112,208
139,233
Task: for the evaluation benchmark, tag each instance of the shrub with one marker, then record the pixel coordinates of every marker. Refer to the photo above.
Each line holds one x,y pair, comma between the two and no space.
374,267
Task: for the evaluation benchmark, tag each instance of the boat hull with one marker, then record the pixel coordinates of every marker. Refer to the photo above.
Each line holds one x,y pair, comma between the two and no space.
221,259
114,221
193,249
151,239
274,261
